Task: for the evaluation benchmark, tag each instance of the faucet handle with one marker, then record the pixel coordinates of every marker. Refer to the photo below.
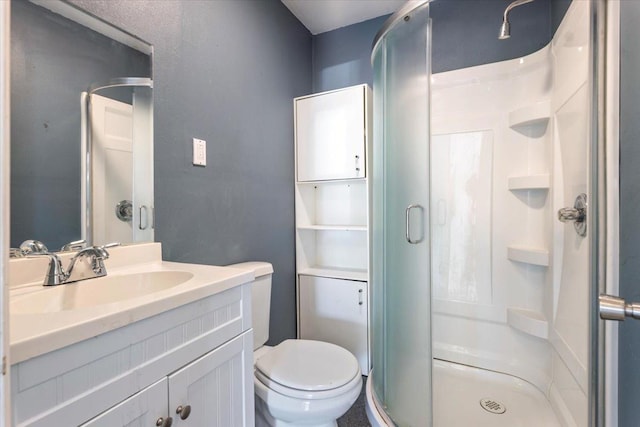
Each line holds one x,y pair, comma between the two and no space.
101,251
15,253
29,247
76,245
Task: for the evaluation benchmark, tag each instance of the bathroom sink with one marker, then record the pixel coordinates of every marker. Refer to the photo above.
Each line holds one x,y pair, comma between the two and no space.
96,292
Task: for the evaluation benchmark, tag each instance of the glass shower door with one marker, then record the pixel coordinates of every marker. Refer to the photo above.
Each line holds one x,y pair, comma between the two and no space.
401,261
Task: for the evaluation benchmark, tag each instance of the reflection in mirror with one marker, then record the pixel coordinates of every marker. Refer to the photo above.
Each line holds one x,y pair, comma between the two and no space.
115,209
59,69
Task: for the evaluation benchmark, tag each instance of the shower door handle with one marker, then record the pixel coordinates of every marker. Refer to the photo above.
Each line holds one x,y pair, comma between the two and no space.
407,213
616,308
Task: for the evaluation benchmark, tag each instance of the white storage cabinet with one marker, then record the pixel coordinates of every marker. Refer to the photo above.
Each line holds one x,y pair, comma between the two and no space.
330,135
335,310
333,134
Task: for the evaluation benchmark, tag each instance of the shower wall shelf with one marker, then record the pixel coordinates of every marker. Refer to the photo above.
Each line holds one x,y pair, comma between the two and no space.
529,182
528,255
332,188
528,321
535,114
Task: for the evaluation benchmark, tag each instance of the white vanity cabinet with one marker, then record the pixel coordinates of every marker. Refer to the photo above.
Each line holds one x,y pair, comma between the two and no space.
332,202
207,392
199,355
142,409
213,388
330,134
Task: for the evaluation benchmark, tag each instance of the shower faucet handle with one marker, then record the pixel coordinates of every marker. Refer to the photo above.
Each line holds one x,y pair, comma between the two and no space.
577,214
571,214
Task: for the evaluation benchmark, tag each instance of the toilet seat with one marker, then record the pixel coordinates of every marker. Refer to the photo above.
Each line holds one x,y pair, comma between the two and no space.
308,369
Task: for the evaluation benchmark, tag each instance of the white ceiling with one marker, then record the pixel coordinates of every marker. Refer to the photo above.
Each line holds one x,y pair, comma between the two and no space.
320,16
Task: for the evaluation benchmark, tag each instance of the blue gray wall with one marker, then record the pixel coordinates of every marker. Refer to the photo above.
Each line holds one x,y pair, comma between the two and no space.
342,57
465,33
53,60
629,356
225,71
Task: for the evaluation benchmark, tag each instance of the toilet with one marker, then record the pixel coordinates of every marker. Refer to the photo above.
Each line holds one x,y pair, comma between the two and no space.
297,382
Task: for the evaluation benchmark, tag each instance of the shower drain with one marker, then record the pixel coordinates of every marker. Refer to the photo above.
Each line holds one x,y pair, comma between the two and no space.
493,406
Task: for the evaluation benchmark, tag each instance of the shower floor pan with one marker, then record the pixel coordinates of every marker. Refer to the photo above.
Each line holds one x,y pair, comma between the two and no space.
465,396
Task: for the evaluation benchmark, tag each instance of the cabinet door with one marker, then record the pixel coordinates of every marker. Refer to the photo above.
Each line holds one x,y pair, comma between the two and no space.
217,388
335,311
143,409
330,135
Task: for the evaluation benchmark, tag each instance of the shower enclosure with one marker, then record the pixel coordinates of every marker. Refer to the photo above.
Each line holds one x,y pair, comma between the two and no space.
486,250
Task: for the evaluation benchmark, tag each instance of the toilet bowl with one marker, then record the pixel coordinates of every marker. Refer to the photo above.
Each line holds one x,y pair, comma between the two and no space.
297,382
305,383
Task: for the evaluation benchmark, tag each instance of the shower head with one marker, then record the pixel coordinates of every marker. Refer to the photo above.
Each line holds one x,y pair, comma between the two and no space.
505,28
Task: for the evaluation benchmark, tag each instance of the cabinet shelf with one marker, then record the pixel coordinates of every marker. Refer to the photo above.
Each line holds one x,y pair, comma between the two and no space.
529,182
333,181
333,227
335,273
535,114
528,255
528,321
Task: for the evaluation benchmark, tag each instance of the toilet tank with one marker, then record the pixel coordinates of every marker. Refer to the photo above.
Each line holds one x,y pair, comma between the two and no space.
260,299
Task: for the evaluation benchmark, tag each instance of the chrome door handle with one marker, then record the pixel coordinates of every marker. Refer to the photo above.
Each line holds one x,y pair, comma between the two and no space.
616,308
577,214
407,213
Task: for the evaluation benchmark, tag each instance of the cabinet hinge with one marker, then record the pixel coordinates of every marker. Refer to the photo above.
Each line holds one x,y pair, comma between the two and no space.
4,365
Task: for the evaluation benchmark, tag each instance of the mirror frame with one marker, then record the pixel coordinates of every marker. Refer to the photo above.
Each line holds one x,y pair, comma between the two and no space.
5,136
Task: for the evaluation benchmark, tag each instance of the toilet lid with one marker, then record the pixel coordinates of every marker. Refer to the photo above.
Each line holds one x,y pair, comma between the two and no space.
308,365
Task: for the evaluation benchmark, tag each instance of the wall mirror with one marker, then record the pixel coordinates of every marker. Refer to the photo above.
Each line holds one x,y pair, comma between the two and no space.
81,128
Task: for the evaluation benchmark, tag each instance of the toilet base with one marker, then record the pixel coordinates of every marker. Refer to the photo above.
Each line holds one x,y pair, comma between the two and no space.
264,418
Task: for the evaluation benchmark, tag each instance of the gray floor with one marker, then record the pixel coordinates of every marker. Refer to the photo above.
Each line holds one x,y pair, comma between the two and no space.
357,415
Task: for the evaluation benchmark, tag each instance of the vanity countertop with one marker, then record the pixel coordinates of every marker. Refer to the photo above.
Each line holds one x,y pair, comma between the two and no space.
35,333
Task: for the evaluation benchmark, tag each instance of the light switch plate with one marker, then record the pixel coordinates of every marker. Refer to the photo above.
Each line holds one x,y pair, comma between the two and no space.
199,152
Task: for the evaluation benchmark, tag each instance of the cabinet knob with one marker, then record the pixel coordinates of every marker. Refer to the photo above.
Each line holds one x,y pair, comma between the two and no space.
161,422
183,411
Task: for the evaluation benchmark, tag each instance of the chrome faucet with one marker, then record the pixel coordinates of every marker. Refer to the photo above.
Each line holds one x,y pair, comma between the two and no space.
94,256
